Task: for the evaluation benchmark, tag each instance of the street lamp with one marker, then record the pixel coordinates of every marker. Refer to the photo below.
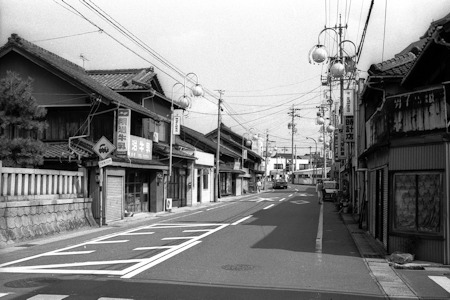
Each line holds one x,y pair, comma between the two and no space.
314,172
328,129
184,102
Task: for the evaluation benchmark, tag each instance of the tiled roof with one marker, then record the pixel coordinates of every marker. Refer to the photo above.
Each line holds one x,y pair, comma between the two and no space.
165,150
73,71
122,79
62,151
201,138
397,66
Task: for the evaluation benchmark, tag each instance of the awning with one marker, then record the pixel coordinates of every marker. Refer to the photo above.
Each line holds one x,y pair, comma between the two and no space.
134,163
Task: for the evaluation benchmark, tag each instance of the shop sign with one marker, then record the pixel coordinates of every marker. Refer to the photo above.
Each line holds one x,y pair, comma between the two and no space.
140,148
103,147
349,98
177,114
349,129
123,132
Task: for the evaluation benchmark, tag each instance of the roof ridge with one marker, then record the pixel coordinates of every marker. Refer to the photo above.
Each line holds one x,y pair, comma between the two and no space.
15,39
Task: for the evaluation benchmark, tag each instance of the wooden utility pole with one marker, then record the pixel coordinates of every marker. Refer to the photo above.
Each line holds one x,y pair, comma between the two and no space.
219,121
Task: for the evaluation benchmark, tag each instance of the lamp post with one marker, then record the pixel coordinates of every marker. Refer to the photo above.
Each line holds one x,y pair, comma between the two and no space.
314,172
328,129
184,102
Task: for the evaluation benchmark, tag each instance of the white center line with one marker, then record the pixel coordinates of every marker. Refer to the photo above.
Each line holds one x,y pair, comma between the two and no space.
319,232
282,199
267,207
241,220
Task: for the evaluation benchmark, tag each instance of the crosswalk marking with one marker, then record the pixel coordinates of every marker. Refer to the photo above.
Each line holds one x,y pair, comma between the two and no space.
443,281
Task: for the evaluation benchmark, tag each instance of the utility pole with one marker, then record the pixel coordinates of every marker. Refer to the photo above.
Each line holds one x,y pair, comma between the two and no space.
293,131
265,164
219,121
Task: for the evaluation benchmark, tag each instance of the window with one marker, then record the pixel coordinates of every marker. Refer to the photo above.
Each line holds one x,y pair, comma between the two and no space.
418,200
278,166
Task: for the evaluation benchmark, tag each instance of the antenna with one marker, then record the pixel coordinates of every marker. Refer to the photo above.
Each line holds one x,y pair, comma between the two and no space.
83,58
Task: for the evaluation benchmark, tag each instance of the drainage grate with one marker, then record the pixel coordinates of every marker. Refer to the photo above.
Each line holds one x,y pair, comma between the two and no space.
238,267
31,282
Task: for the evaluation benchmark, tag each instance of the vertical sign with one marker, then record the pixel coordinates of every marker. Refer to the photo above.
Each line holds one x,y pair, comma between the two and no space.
177,114
123,132
349,129
349,97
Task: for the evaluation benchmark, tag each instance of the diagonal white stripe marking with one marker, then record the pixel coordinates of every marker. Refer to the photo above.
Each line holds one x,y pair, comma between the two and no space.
107,242
241,220
267,207
443,281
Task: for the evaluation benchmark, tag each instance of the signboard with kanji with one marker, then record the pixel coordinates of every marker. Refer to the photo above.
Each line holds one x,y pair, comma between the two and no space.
140,148
349,129
177,115
123,131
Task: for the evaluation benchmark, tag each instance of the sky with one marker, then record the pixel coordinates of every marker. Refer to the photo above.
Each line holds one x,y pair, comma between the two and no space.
254,51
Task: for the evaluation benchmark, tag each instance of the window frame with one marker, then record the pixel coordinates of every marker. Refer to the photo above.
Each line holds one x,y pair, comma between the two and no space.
393,216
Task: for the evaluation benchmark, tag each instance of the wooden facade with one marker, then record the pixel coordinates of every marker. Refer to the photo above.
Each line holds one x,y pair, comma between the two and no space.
403,147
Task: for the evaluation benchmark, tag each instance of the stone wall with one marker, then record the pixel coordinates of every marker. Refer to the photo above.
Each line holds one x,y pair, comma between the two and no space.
30,219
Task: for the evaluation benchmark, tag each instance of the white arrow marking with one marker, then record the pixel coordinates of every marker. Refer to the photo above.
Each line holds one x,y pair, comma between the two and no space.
300,202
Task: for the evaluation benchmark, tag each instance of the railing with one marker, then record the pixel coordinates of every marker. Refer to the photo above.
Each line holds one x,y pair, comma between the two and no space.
22,184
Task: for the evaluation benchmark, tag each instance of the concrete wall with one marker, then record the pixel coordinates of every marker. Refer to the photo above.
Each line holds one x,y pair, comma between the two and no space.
30,219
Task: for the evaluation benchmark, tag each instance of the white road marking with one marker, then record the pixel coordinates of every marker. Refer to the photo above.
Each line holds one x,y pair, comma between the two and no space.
282,199
196,230
137,233
443,281
48,297
160,260
319,232
154,248
290,195
107,242
71,253
135,266
267,207
4,294
241,220
300,202
178,238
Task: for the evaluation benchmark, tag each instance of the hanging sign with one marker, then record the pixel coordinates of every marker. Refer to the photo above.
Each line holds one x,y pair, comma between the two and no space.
123,131
349,97
177,114
349,129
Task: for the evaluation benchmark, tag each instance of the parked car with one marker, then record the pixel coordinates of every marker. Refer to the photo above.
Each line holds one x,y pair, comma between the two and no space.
330,190
279,184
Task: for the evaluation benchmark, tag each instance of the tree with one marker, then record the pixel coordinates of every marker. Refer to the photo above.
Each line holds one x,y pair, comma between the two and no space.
21,123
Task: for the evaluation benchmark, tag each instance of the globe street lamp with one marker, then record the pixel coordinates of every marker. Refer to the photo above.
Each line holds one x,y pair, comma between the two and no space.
314,172
328,129
184,102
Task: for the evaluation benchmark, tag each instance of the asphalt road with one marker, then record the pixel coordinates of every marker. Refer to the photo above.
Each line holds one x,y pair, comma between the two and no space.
273,245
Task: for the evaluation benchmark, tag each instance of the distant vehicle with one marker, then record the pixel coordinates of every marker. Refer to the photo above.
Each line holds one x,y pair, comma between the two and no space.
330,190
279,184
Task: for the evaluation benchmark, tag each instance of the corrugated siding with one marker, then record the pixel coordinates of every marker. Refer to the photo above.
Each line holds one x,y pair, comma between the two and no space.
423,157
114,190
425,249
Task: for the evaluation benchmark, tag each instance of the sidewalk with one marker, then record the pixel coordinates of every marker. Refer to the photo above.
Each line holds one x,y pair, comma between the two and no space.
375,258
